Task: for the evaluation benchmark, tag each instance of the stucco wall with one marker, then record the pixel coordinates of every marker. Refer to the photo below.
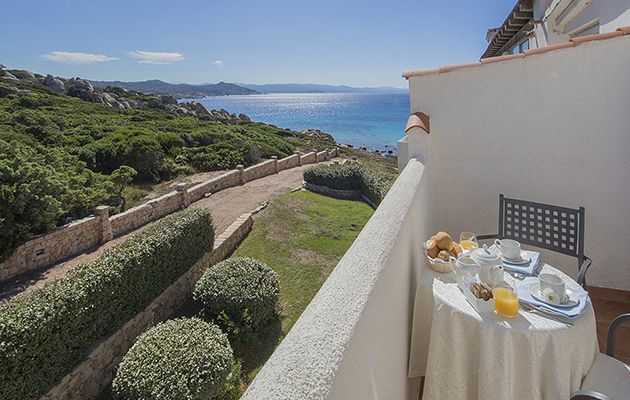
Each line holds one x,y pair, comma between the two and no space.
559,27
551,128
353,338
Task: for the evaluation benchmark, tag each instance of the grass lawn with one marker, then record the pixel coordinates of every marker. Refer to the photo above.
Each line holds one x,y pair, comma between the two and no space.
302,236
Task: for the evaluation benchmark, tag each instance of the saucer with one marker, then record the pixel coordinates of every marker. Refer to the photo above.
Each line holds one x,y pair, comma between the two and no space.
523,259
571,300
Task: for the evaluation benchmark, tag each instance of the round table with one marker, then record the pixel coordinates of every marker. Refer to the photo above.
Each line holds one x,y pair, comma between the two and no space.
465,355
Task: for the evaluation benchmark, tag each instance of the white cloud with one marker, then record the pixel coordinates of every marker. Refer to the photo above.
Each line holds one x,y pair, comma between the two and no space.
218,63
76,58
149,57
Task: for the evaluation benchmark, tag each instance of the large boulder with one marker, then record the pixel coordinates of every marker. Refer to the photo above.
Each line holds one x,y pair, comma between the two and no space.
96,97
79,84
108,98
200,108
244,117
8,75
54,83
168,99
317,134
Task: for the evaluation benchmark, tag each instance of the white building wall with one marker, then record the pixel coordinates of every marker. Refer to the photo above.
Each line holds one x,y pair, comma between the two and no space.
552,128
564,19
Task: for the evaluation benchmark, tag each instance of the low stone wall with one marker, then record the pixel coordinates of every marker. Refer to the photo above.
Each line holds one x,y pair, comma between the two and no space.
322,156
288,162
51,247
94,374
81,235
259,170
308,158
336,193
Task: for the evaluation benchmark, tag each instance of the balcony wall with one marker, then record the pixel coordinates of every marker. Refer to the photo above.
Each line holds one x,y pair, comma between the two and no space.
352,341
551,128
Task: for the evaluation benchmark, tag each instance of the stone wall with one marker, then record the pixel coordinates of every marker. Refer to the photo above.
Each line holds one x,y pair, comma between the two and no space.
336,193
52,247
81,235
288,162
94,374
308,158
259,170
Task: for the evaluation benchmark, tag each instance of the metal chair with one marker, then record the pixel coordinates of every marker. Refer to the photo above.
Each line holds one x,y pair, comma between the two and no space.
555,228
608,377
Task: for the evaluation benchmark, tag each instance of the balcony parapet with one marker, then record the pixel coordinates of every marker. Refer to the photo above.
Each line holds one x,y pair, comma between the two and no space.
353,338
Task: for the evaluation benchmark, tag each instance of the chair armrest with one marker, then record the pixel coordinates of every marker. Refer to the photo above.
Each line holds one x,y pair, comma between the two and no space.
484,237
581,279
589,395
610,342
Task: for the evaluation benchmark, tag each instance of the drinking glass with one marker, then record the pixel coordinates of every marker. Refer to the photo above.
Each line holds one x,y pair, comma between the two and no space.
468,240
505,298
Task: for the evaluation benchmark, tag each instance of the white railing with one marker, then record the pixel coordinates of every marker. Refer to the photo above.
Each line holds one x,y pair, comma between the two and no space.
352,341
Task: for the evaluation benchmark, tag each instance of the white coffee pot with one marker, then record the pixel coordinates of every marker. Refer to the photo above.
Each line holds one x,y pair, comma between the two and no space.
491,266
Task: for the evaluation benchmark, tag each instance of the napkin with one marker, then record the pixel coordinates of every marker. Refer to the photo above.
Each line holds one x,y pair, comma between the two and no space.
570,312
527,268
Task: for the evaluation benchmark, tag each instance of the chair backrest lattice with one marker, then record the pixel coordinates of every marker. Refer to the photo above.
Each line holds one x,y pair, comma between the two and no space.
550,227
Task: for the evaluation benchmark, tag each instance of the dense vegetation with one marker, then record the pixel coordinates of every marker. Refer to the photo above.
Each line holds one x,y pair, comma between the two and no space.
58,153
241,291
44,334
180,359
373,181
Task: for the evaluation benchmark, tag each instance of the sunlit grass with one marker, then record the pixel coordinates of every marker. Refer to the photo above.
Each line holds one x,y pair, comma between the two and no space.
302,236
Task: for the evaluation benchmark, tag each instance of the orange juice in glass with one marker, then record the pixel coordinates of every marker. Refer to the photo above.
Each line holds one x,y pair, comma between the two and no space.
505,299
468,240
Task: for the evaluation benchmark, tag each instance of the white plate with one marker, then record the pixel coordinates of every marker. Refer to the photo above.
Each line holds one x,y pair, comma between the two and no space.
571,301
523,259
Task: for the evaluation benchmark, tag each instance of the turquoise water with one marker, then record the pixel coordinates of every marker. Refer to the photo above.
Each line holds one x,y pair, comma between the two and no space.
360,119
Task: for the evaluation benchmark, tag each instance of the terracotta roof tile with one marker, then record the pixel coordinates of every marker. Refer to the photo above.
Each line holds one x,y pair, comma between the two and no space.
446,68
418,72
572,43
418,120
546,49
490,60
598,36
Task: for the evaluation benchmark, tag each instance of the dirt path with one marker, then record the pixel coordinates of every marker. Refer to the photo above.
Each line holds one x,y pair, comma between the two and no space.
225,205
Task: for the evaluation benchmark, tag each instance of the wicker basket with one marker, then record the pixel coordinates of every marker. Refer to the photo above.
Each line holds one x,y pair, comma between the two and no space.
438,265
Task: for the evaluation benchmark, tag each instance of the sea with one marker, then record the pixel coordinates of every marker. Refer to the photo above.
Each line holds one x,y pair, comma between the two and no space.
374,120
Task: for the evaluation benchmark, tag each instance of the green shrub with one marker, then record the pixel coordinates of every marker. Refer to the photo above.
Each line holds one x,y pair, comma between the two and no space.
45,333
371,181
184,358
241,289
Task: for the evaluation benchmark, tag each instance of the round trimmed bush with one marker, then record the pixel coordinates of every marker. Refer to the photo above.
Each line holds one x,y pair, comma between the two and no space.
245,289
183,358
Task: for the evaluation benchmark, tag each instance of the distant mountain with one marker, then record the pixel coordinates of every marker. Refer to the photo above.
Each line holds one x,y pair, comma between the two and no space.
181,91
315,88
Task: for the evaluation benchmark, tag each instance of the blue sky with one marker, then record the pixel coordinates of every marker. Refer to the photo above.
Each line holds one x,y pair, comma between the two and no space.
337,42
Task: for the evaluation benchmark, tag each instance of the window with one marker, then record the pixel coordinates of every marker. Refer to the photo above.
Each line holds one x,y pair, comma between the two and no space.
519,48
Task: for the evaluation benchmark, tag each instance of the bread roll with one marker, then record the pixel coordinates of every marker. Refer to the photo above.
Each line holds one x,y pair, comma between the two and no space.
444,255
457,249
432,249
444,241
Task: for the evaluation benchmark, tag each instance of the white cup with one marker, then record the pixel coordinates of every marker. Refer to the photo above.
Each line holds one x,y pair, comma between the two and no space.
511,249
552,288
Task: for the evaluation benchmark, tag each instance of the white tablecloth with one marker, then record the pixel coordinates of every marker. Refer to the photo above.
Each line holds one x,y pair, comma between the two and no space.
464,355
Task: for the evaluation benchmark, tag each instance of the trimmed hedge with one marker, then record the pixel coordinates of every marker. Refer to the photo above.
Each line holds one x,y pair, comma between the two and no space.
372,182
45,333
245,289
183,358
